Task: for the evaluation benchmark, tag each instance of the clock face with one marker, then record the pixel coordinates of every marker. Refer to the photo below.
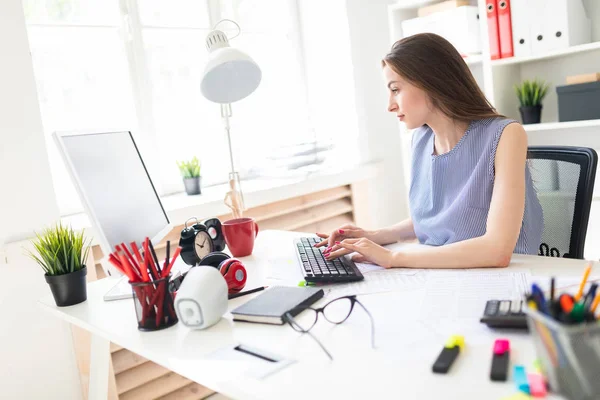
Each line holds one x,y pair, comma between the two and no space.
202,245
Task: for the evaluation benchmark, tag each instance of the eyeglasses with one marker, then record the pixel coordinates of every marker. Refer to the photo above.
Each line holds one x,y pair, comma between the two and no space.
336,311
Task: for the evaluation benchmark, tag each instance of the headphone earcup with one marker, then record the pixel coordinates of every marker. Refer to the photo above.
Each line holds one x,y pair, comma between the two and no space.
235,274
214,259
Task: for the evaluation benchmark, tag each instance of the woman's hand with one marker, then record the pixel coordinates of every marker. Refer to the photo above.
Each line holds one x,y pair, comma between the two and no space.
343,232
368,251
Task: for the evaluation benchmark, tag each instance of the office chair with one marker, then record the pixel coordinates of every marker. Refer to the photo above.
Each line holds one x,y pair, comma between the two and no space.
564,179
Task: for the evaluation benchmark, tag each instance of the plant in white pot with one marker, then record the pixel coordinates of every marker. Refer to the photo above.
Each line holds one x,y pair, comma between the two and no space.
531,94
62,254
190,172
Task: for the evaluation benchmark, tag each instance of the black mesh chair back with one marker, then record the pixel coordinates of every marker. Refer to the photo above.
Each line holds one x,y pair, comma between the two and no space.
564,179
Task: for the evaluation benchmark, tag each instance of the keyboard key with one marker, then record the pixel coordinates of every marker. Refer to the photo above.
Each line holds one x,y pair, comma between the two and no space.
504,307
317,268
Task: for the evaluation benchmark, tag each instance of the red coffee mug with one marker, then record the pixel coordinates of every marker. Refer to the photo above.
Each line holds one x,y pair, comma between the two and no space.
239,235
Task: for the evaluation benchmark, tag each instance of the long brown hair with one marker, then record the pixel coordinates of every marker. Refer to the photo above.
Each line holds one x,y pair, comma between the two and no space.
431,63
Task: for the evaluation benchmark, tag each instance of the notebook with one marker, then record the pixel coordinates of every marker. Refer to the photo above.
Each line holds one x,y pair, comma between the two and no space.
270,306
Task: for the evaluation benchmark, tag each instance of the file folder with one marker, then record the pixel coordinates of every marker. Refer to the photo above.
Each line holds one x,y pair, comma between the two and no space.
566,24
492,19
505,28
558,24
521,17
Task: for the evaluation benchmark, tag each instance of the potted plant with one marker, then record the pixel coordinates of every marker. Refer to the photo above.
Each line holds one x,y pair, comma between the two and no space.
61,254
190,172
531,94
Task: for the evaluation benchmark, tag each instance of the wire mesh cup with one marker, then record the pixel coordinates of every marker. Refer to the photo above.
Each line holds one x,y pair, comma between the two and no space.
153,304
569,355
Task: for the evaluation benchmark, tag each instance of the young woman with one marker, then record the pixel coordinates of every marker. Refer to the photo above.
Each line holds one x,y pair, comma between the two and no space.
471,194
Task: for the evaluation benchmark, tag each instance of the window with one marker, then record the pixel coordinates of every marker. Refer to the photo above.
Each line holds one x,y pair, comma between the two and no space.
81,75
136,65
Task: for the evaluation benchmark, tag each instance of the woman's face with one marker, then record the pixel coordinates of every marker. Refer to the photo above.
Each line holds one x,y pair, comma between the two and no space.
407,101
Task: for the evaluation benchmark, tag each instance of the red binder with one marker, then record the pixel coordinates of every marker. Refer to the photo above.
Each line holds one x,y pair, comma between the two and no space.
505,28
493,33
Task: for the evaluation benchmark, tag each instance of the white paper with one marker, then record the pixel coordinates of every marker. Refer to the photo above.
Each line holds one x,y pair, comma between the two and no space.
464,293
239,363
365,268
383,280
284,270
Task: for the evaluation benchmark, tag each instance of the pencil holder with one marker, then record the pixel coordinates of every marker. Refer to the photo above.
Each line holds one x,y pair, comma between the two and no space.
153,304
569,355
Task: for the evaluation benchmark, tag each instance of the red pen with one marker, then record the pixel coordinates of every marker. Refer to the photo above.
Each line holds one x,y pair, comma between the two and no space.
118,266
166,271
126,266
130,257
149,261
134,247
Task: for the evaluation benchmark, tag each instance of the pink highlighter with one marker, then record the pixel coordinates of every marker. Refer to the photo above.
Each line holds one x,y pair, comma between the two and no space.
537,385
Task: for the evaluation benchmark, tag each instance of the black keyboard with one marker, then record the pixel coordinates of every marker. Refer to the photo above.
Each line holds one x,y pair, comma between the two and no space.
317,269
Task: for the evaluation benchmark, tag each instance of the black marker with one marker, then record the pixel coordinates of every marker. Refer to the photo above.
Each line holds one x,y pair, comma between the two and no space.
448,354
500,360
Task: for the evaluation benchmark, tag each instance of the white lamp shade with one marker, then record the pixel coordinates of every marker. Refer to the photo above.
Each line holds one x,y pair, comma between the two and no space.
229,75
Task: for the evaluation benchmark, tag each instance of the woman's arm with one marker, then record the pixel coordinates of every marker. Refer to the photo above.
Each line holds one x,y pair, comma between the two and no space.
495,247
400,232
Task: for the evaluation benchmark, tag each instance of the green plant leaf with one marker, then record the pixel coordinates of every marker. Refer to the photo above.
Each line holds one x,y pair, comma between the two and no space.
60,250
531,92
189,169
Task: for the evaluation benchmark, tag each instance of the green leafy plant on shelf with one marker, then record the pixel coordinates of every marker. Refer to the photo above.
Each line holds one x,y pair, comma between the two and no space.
60,250
189,169
531,92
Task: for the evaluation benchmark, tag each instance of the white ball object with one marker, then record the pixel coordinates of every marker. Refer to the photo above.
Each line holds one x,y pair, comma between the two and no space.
201,300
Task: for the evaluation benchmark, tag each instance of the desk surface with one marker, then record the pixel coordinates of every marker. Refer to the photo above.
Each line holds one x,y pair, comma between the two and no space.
401,363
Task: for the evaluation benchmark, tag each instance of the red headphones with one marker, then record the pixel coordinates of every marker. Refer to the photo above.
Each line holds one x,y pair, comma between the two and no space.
234,273
232,269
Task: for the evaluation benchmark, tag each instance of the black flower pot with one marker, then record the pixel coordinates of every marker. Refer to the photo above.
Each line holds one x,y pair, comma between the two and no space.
531,114
192,185
68,289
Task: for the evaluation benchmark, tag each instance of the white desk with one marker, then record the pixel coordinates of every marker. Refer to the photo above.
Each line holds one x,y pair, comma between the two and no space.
397,368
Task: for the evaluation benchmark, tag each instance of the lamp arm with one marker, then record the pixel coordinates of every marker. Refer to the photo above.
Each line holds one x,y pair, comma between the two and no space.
226,114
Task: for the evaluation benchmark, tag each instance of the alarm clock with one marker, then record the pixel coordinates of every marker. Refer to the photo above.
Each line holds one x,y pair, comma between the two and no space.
200,239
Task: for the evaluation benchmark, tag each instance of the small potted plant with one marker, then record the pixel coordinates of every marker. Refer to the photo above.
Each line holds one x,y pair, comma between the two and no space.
531,94
190,172
62,254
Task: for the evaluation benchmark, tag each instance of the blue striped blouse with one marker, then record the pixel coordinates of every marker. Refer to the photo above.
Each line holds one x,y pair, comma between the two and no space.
450,194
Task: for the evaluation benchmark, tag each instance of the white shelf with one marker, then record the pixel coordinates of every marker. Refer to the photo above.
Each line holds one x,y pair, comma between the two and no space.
582,48
549,126
474,59
409,4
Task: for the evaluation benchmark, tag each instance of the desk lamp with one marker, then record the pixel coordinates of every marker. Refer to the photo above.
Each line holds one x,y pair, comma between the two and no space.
229,75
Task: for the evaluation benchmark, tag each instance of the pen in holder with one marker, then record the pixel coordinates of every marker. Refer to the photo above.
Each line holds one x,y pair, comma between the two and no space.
153,304
153,300
566,335
569,354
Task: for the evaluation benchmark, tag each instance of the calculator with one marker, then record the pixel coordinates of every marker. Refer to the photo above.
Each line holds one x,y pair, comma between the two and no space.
504,314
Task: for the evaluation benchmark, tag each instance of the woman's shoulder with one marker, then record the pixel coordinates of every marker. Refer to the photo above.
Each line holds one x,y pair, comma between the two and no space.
421,135
490,130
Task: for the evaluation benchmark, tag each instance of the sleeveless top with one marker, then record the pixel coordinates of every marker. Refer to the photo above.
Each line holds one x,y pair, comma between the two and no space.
450,194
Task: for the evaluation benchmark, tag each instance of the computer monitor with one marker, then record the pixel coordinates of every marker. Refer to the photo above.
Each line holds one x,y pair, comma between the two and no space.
115,188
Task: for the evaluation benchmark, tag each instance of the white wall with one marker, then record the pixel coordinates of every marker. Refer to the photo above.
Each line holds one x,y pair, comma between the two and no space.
36,353
24,169
379,134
